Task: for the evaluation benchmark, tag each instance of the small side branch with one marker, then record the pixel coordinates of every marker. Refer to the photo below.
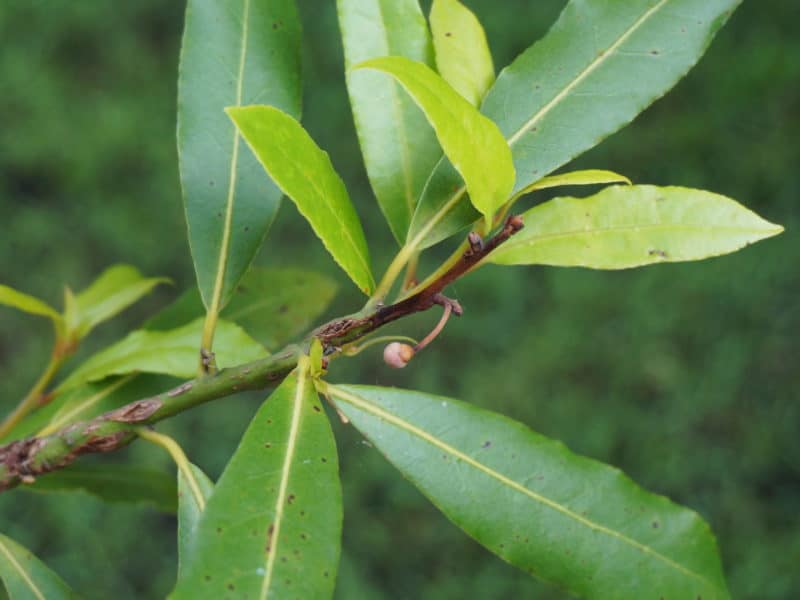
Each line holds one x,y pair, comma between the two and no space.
24,460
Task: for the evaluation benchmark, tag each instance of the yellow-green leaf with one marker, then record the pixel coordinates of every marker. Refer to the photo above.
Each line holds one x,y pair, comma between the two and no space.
171,352
26,303
463,58
631,226
586,177
112,292
472,142
304,172
26,577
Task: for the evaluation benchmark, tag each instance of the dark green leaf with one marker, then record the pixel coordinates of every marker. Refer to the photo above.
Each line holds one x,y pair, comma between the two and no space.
26,577
272,304
462,53
596,69
233,53
272,526
113,483
171,352
399,147
112,292
631,226
572,521
194,490
304,172
472,142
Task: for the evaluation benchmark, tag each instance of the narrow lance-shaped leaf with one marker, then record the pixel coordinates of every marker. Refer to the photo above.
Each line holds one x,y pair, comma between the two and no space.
596,69
623,227
233,53
272,304
26,577
472,142
566,519
272,527
399,147
194,490
585,177
112,292
463,58
113,483
168,352
304,172
27,303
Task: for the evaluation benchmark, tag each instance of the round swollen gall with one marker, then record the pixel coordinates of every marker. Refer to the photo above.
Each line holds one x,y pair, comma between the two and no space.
397,355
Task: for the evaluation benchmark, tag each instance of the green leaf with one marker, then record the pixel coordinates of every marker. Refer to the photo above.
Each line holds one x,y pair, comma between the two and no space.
29,304
566,519
86,401
272,304
463,58
272,526
596,69
399,147
167,352
26,577
113,483
623,227
472,142
112,292
194,490
586,177
233,53
304,172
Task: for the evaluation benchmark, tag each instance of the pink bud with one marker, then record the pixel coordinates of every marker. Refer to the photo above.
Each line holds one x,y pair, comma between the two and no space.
397,355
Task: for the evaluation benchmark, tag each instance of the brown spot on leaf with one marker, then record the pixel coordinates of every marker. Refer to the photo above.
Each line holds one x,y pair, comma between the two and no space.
290,499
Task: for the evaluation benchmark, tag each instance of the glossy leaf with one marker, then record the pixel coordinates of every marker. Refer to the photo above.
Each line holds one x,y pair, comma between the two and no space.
304,172
586,177
171,352
112,292
596,69
113,483
194,490
26,577
272,526
463,57
566,519
623,227
472,142
233,53
399,147
272,304
26,303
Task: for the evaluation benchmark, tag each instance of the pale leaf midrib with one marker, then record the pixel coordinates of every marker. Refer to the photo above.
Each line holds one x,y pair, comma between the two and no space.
291,447
440,214
219,280
22,573
535,239
369,407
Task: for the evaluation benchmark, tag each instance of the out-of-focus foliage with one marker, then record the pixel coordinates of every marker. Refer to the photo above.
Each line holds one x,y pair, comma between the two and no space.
682,375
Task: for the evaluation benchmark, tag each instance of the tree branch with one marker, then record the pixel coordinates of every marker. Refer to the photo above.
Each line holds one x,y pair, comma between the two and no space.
24,460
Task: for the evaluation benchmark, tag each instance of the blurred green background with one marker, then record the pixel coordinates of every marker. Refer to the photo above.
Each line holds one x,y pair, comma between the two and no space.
685,376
